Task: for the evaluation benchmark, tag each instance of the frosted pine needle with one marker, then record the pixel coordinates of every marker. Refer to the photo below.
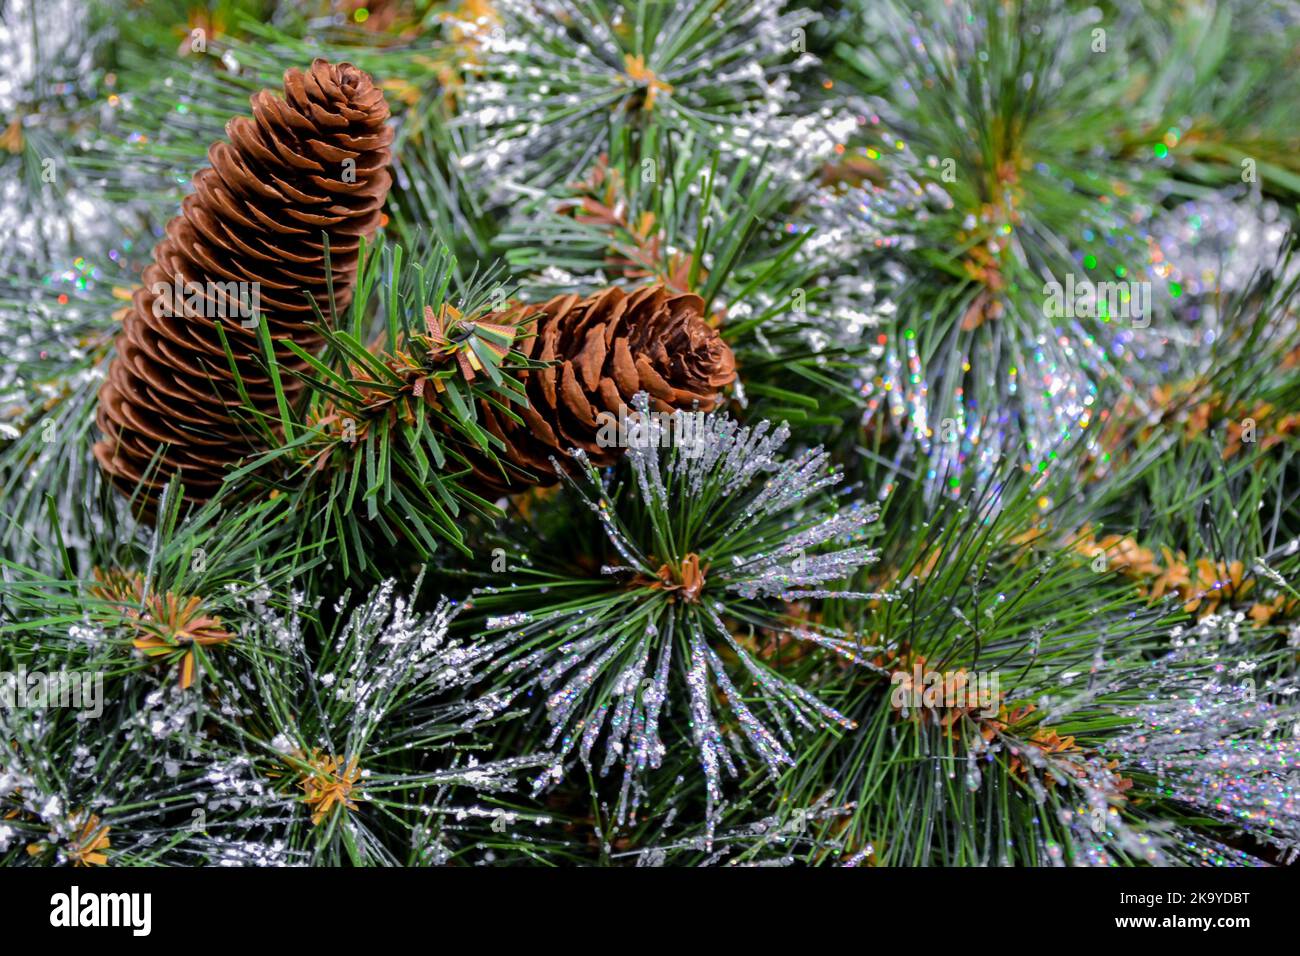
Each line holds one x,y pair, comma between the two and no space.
713,525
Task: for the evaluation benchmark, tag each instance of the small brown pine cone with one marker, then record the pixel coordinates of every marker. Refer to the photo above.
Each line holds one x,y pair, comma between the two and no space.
313,162
605,348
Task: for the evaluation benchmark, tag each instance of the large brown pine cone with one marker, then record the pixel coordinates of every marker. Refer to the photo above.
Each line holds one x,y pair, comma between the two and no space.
606,348
313,162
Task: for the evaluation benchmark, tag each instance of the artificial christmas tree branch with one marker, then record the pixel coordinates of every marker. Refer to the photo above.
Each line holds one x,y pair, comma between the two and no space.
384,588
467,406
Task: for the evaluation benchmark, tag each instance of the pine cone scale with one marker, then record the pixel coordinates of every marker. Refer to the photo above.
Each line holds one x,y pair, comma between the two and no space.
591,359
158,384
623,371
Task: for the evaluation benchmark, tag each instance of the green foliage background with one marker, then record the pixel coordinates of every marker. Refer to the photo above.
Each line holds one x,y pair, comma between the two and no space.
792,168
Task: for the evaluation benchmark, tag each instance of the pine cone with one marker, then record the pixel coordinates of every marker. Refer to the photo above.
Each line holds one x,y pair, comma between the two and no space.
606,348
312,162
